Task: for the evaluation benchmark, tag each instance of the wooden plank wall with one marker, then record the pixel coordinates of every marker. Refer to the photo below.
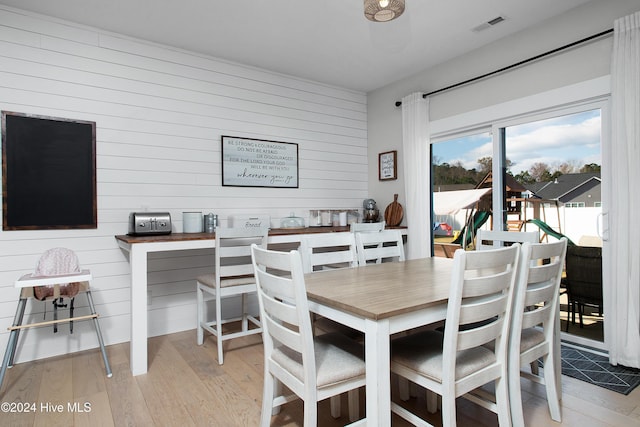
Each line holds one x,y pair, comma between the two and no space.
160,112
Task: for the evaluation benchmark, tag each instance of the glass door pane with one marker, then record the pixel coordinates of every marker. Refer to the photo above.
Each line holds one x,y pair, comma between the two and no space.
461,194
553,185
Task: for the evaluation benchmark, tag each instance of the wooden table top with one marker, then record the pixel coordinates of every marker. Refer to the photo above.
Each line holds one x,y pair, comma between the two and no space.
383,290
177,237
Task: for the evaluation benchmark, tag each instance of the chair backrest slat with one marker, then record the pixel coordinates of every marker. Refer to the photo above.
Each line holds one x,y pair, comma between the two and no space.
537,289
491,282
480,335
284,308
227,271
279,319
367,227
482,309
331,250
480,300
487,239
377,247
233,250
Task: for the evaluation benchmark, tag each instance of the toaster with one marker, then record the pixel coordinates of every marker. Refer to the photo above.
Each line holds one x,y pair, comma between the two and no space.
145,223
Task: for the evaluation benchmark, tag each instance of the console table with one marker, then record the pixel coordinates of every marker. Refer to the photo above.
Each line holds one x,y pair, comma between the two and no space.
138,247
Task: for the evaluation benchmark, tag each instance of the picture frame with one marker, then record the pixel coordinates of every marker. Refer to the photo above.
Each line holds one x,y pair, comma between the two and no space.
250,162
388,165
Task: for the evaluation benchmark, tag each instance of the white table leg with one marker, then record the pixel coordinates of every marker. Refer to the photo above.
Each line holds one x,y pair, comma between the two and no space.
378,385
138,346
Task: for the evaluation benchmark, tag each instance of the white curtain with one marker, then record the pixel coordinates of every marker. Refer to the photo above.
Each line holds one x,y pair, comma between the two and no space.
622,178
417,177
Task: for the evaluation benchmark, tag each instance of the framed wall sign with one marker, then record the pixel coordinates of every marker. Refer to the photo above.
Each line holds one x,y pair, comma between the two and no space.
248,162
48,173
388,165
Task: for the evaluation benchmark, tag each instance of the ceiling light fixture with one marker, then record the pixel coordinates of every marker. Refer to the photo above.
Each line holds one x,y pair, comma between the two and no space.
383,10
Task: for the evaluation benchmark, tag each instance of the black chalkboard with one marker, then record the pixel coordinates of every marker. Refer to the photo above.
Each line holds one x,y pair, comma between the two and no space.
48,173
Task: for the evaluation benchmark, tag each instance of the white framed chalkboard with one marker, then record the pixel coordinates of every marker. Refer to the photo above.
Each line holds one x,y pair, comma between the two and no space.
48,173
249,162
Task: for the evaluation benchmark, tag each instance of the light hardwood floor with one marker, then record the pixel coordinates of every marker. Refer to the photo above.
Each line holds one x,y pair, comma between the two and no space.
185,386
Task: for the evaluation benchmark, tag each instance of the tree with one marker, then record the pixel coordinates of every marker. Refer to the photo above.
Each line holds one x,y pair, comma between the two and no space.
565,168
540,172
591,167
486,165
456,173
524,178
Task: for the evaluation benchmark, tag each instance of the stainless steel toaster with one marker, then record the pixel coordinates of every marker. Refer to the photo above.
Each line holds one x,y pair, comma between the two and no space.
149,223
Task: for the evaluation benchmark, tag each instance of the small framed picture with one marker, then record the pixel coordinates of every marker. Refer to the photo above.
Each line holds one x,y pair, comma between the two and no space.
388,165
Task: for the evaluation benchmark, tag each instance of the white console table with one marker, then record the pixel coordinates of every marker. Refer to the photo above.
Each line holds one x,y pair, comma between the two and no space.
138,247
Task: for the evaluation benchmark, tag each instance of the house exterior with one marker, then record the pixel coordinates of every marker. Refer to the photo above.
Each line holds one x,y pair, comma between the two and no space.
572,190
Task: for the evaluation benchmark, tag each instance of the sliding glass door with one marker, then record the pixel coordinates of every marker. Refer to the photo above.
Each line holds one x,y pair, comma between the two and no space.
537,172
552,183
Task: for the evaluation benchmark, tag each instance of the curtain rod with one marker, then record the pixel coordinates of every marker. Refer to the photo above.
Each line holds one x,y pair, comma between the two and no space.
517,64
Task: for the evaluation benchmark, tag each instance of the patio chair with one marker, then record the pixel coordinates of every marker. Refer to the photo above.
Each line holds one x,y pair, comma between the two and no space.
584,280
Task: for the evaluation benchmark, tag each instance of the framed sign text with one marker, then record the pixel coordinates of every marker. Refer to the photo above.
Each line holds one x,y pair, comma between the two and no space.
248,162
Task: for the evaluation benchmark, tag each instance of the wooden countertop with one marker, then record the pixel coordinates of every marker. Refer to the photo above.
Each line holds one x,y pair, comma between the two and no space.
177,237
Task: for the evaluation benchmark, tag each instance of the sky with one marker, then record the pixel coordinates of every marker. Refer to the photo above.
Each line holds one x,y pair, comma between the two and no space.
573,139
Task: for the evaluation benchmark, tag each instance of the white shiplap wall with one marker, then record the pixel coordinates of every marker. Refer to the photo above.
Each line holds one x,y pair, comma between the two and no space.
159,115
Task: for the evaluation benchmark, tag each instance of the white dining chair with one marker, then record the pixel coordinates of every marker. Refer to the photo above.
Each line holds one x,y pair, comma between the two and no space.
485,239
533,327
57,276
454,362
377,247
367,227
488,239
313,368
327,251
233,277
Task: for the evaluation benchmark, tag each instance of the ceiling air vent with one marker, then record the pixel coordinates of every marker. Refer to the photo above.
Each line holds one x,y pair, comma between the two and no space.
488,24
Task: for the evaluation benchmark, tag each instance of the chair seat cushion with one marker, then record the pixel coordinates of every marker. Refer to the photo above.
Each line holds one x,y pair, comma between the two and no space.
43,293
530,338
53,262
210,280
422,352
337,359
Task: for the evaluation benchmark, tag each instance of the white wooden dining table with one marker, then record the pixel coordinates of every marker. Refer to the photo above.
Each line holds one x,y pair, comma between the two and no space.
381,300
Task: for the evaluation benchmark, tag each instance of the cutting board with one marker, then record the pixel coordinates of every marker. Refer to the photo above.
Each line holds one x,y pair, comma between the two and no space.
394,213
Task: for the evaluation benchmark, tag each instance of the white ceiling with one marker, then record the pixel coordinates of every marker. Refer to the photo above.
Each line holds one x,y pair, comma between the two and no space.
327,41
